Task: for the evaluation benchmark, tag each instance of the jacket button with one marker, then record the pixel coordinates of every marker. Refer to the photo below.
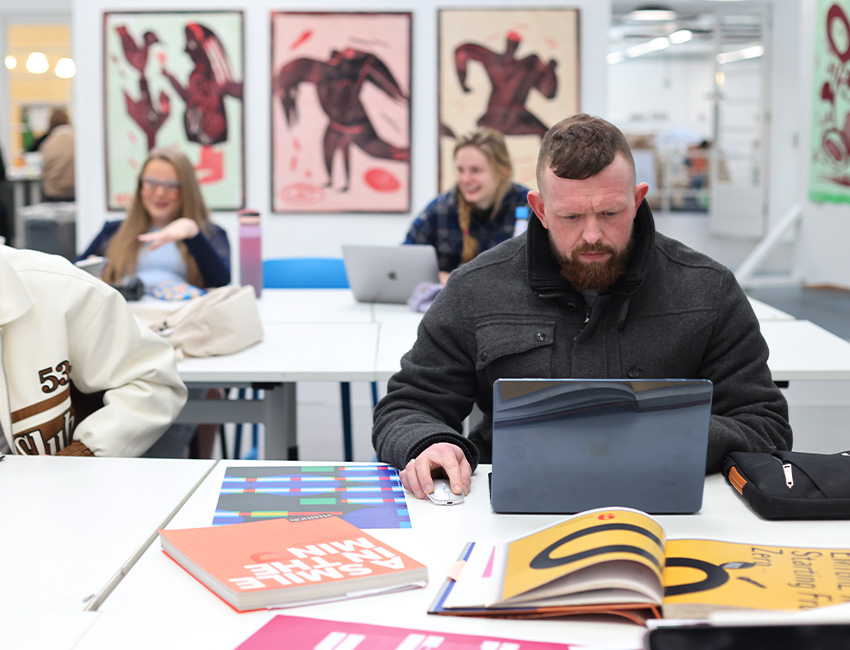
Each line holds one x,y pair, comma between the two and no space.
483,357
540,336
633,372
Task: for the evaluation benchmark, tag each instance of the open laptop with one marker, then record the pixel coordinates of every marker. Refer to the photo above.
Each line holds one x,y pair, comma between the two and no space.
388,273
567,445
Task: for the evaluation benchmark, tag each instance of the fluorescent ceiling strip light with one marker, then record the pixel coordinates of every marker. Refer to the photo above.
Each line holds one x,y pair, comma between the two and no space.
752,52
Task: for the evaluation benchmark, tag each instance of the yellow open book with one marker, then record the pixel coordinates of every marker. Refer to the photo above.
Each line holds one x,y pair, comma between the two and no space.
618,561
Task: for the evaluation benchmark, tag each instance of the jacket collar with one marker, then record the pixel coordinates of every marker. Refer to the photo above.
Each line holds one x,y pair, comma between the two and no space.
544,275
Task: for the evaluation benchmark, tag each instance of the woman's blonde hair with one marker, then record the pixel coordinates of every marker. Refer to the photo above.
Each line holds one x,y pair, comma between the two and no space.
492,144
124,246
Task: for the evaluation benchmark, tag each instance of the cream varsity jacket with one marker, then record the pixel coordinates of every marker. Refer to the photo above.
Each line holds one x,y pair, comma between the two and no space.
59,325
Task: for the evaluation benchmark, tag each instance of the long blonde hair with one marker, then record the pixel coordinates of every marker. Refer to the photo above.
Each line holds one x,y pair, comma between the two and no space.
124,246
492,144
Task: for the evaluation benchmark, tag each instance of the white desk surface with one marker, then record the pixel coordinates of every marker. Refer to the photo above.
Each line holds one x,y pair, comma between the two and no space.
312,306
157,591
398,328
764,312
40,629
72,525
294,352
799,349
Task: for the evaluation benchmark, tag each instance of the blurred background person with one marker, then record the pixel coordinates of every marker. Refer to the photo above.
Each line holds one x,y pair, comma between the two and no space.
57,159
480,211
167,235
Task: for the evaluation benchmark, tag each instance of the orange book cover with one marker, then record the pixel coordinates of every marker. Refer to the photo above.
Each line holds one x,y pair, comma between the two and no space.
279,562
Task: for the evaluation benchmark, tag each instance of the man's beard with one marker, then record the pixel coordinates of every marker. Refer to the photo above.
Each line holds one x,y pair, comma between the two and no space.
598,276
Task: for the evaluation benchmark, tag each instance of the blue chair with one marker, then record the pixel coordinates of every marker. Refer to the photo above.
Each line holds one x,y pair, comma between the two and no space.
312,273
305,273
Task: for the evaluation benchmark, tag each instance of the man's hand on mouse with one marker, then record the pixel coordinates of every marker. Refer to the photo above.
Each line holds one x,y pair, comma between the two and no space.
440,458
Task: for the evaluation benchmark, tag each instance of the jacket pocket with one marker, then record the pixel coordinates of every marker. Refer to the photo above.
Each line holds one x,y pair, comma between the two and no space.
510,348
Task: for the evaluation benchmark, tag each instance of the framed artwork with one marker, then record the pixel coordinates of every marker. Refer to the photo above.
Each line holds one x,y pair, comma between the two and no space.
340,112
829,171
513,70
175,79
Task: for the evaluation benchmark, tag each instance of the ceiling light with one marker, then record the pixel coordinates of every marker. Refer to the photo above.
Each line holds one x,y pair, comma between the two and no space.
37,63
682,36
647,47
11,62
740,55
653,13
65,68
615,57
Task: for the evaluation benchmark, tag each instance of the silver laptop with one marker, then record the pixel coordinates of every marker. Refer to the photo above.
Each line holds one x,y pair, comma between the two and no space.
388,273
567,445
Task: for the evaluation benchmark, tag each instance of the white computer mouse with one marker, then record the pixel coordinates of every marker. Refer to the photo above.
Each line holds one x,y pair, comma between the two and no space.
443,495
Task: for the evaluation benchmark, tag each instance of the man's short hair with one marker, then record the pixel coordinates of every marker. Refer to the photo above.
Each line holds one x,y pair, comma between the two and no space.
581,146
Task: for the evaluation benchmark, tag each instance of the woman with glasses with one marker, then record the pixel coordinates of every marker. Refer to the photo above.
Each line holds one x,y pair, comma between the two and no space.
166,238
167,235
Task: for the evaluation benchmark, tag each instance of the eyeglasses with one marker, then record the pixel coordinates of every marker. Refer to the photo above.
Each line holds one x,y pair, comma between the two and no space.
152,184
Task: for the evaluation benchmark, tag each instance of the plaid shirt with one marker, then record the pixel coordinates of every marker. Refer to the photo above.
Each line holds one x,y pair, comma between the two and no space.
439,227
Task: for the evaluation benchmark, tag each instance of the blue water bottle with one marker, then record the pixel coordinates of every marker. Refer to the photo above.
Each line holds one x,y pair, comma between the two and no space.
521,215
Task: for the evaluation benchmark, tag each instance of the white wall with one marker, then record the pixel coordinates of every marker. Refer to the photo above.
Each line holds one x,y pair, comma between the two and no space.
313,234
659,94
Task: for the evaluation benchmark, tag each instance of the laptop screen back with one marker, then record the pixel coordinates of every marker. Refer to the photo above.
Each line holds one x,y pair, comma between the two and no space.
567,445
388,273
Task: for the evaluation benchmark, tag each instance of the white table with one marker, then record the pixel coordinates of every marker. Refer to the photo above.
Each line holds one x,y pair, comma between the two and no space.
765,312
40,629
312,306
288,353
158,595
398,328
73,526
799,349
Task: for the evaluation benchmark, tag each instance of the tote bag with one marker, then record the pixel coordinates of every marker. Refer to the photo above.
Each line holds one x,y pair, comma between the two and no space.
223,321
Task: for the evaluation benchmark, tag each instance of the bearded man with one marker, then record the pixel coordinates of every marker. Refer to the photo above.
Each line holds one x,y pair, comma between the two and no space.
590,291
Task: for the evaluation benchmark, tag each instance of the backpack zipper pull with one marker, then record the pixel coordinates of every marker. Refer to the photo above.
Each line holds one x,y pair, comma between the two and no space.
787,469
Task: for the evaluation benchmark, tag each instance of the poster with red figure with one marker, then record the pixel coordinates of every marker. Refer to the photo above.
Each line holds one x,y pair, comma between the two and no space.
829,172
340,112
175,79
512,70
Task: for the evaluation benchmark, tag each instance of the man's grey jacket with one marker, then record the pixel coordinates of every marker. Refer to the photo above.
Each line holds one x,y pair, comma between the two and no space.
675,313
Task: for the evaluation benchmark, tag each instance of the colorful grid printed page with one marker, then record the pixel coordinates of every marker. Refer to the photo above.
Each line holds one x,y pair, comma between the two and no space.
368,495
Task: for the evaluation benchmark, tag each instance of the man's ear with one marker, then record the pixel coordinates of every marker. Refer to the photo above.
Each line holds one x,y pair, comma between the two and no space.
536,203
640,194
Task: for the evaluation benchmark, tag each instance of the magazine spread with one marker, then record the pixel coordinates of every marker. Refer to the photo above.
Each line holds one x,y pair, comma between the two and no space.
618,561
